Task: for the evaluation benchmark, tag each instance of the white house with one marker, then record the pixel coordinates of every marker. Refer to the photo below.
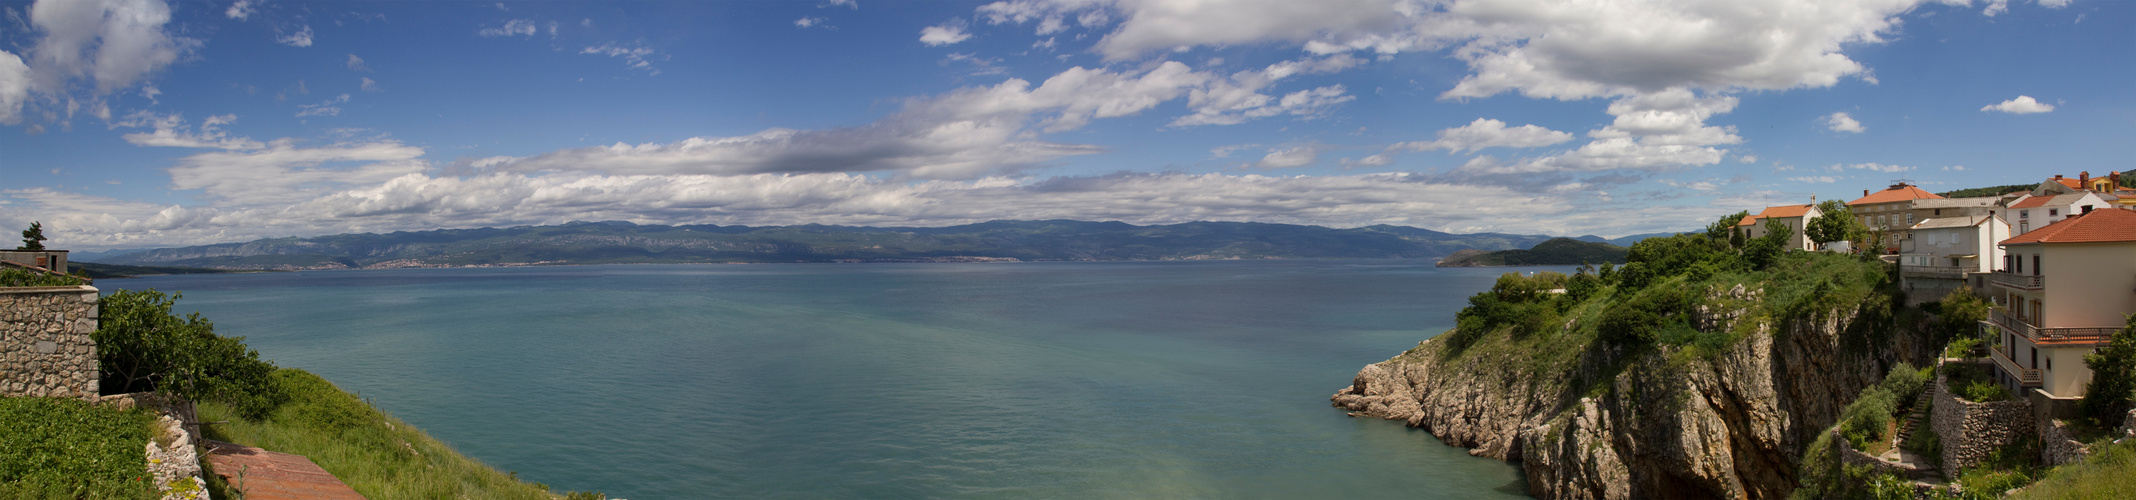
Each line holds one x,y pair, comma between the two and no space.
2063,290
1796,217
2039,211
1946,253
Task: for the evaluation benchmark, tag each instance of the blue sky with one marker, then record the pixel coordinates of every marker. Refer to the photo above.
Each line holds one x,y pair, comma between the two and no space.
145,123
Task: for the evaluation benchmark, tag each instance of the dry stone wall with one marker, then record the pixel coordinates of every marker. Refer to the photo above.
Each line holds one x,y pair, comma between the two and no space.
45,344
1970,431
2059,446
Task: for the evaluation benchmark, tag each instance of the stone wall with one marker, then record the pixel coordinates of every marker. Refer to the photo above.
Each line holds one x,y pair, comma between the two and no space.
2059,446
45,344
1853,457
1969,431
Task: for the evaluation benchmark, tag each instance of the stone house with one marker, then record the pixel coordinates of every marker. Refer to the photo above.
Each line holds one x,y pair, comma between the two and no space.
55,260
1890,211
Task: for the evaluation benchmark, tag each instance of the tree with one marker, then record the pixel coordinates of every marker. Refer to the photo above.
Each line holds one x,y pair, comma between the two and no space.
2106,398
33,238
1836,223
142,346
1761,251
1725,229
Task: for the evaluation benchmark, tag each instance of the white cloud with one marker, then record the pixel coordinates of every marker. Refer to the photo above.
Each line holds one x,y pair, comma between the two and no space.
357,64
1873,167
811,22
370,85
635,57
14,87
240,10
1748,158
947,33
1293,157
113,43
836,3
2022,105
327,108
1233,100
1487,133
1955,168
1818,179
1840,122
514,27
301,38
1695,186
172,131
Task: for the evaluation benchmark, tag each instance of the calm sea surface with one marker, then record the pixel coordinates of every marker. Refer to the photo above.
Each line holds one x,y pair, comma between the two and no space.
1139,379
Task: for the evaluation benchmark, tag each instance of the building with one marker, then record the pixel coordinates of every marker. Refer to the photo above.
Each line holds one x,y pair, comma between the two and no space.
55,260
1796,217
1948,253
2040,211
1890,211
2062,291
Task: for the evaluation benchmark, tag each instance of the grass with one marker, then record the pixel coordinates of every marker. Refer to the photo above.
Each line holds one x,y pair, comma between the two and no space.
1972,383
2105,475
377,455
64,448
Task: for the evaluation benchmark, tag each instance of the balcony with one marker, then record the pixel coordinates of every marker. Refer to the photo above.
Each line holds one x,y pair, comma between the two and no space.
2026,377
1942,272
2018,281
2051,336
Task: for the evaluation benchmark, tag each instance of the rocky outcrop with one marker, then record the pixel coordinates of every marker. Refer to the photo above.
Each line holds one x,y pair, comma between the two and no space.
1645,423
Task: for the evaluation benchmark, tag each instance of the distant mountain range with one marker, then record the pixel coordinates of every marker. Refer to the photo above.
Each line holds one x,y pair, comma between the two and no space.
624,242
1555,252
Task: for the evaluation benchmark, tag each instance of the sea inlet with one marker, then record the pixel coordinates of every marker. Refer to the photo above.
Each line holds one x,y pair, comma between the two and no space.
1069,379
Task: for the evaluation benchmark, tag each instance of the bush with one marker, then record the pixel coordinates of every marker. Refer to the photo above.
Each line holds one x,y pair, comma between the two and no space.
2107,397
1972,383
16,276
1964,347
1904,381
63,448
1863,422
142,346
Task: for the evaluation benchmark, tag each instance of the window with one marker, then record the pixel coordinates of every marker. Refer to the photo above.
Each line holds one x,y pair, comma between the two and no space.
2024,214
2035,265
2054,212
2050,363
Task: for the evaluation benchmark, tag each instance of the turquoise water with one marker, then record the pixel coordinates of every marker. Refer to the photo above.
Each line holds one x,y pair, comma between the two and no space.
1138,379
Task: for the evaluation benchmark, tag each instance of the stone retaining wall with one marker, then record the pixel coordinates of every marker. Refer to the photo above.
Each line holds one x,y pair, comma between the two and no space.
1853,457
2058,446
45,344
1969,431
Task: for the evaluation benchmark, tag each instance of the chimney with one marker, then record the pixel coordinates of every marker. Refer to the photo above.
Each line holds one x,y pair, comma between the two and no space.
2058,177
2084,178
1865,192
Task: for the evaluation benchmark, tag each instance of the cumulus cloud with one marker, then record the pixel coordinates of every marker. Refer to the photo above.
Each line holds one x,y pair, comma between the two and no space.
2022,105
635,57
239,10
1840,122
514,27
1292,157
1238,98
1487,133
947,33
14,87
299,38
112,43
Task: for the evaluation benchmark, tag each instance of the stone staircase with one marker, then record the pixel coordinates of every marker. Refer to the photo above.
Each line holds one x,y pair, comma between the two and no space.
1915,418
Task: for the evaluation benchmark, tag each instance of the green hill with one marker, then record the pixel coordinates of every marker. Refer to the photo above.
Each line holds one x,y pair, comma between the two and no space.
1555,252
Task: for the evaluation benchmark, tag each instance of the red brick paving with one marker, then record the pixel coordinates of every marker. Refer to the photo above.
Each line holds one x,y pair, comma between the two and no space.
275,476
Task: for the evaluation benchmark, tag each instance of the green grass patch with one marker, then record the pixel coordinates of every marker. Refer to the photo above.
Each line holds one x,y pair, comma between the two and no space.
2105,475
64,448
1972,383
379,456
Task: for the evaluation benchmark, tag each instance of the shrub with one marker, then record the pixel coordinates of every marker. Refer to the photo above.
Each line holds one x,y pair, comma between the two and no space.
63,448
16,276
142,346
1863,422
1904,381
1964,347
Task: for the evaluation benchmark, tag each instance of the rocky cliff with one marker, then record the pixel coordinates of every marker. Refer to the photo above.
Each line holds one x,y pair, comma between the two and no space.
1650,421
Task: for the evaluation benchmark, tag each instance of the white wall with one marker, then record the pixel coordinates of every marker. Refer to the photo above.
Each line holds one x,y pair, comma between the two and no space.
2088,284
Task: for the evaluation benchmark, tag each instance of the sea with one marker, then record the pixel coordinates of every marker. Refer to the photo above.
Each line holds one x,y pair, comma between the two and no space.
1171,379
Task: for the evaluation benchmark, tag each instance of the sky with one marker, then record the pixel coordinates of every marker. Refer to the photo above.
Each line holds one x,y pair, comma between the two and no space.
145,123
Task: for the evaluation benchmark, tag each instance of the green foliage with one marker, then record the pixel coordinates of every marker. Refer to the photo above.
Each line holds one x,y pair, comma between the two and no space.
1995,190
1555,252
1972,383
1523,302
1725,228
1761,251
1924,441
63,448
16,276
1863,422
33,238
1961,312
2107,397
377,455
142,346
1835,223
1904,381
2103,476
1640,319
1964,347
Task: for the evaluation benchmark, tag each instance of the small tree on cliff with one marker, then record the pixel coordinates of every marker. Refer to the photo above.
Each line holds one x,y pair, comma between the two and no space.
1761,251
1836,223
2106,398
33,238
1725,229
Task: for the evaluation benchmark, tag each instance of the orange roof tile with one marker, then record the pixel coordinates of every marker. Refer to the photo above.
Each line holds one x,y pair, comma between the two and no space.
2103,225
1903,192
1779,211
2070,182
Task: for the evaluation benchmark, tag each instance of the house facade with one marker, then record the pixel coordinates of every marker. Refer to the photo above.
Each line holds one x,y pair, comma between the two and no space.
1890,211
2062,290
1796,217
1948,253
2037,212
55,260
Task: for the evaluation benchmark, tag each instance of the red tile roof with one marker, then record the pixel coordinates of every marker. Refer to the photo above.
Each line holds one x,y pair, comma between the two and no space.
2056,200
1779,211
2102,225
1901,193
2070,182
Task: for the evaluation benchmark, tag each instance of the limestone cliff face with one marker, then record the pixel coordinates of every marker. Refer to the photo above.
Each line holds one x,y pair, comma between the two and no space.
1646,424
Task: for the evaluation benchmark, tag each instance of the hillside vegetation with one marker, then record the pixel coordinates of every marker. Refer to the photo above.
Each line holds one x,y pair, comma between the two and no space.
623,242
1555,252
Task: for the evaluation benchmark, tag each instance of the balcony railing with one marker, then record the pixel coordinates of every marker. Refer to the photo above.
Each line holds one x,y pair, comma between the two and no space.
2018,281
2096,334
1947,272
2026,377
